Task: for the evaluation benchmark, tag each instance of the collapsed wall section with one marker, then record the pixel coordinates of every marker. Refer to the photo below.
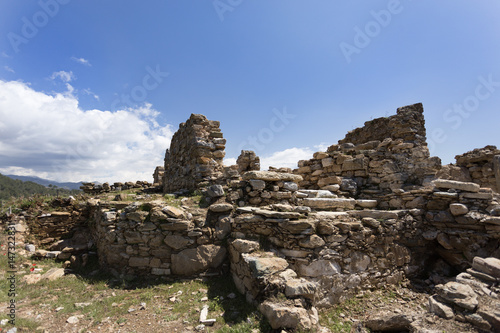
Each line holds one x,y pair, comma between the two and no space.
483,166
384,155
194,159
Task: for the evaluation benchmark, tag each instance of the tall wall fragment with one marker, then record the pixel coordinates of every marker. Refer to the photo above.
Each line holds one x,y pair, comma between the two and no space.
194,159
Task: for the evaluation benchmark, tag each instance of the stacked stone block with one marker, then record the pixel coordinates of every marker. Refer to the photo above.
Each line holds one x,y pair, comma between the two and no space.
194,159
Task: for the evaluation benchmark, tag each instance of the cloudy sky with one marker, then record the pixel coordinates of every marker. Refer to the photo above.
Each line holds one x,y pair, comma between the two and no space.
94,90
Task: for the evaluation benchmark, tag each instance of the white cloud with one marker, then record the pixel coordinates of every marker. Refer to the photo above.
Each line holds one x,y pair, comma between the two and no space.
5,55
8,69
89,92
51,137
64,76
81,61
287,158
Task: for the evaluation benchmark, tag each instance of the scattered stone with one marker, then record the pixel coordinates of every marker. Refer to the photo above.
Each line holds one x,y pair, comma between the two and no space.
442,310
72,320
53,274
490,266
459,294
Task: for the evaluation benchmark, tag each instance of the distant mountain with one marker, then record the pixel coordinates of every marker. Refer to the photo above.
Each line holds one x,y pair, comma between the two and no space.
17,188
46,182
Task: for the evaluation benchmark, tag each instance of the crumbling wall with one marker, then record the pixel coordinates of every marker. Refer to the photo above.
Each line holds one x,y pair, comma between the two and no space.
156,239
408,125
158,176
483,166
194,159
384,155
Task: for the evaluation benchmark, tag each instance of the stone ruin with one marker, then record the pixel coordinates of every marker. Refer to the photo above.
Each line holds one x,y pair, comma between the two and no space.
373,210
194,159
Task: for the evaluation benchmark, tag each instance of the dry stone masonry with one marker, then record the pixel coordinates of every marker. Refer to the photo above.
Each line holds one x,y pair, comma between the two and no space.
373,210
194,159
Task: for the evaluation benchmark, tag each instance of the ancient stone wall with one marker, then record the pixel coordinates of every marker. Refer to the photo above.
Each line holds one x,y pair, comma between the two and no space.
408,125
194,158
158,176
385,155
483,166
155,239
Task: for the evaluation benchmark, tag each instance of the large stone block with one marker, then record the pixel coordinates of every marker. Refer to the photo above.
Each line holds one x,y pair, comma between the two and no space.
270,176
456,185
193,261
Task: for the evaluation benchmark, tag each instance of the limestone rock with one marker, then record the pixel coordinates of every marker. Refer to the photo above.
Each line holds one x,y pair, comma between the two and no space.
177,242
300,287
53,274
329,203
312,242
270,176
320,268
458,209
389,321
173,212
490,266
262,266
288,316
440,309
192,261
459,294
215,191
221,207
456,185
245,246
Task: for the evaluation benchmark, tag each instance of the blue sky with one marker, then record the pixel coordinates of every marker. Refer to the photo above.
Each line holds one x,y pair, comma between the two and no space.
94,90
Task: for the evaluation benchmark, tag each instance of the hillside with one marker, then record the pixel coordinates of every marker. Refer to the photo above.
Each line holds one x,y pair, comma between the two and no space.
47,182
16,188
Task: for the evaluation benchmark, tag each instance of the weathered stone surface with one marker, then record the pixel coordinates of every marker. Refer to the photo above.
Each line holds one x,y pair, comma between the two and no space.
177,242
389,322
177,225
490,266
312,242
192,261
456,185
459,294
277,215
138,262
320,268
440,309
221,207
491,315
458,209
496,169
300,287
215,191
173,212
257,184
287,316
329,203
262,266
366,203
377,214
53,274
245,246
290,186
270,176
